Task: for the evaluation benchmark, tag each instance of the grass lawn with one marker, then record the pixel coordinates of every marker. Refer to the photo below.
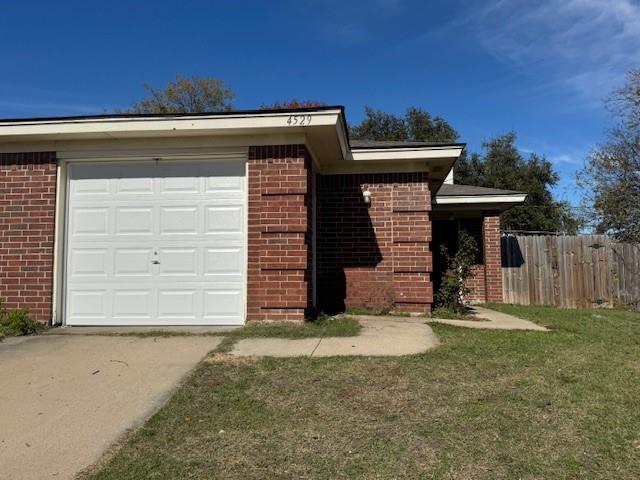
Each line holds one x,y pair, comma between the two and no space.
484,405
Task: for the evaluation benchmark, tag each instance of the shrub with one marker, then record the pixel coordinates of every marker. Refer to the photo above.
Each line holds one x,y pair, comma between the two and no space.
17,322
453,288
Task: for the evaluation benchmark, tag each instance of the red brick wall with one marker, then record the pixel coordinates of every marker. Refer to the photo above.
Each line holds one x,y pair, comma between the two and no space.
486,284
279,270
492,257
27,216
477,285
374,256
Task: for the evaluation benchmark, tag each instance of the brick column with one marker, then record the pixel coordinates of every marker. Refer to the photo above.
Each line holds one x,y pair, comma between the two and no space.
492,257
27,216
412,259
279,270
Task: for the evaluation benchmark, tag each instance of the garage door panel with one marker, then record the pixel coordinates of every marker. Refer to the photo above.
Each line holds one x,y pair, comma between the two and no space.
182,220
89,262
133,221
224,261
88,304
178,261
156,243
134,186
223,303
132,304
84,187
89,221
178,304
225,183
224,220
175,185
135,262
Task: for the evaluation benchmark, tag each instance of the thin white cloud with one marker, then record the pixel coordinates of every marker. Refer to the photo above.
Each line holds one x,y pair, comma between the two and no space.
584,45
565,158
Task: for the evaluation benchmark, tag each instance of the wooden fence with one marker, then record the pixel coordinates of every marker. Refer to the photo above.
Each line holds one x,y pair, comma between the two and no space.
570,271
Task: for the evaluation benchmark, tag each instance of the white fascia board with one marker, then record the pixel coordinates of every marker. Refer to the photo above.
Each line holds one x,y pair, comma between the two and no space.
160,126
369,154
476,199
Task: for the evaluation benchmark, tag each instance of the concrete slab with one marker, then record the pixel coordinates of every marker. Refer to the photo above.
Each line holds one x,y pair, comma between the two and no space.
493,320
141,330
65,399
275,347
380,336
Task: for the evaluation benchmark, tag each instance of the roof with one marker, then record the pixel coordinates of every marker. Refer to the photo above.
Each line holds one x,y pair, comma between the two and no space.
322,129
116,116
363,143
353,143
459,190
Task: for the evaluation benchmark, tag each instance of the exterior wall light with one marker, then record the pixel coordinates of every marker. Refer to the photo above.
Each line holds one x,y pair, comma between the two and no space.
366,195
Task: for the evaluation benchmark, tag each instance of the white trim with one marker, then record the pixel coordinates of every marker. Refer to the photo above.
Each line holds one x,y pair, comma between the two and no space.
314,157
183,143
112,127
155,154
449,200
399,154
59,232
449,179
342,139
246,229
65,227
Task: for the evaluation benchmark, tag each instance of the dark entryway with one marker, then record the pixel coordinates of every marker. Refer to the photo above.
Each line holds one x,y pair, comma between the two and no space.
447,233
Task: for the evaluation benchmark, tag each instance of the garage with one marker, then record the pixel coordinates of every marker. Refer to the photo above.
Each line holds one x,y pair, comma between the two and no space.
156,242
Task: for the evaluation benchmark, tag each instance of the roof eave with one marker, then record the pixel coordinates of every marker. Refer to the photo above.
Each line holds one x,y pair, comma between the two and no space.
479,199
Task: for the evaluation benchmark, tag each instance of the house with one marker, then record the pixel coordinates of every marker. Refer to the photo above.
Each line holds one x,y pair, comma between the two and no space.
224,218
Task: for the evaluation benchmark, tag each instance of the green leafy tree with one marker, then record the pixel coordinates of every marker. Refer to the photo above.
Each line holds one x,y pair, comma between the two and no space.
417,125
186,95
611,177
501,165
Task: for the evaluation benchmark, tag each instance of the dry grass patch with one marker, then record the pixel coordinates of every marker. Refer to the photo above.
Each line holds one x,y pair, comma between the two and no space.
484,405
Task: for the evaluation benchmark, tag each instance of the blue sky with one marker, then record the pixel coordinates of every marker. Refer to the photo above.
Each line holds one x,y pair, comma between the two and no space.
540,68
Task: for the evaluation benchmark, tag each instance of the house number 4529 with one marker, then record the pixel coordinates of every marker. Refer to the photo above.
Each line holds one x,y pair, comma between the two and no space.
299,120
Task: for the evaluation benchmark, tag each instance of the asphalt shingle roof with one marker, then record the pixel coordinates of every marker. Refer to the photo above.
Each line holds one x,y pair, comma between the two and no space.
397,144
459,190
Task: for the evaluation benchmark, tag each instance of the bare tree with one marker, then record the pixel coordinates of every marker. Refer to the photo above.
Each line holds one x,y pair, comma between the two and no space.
292,104
186,95
611,177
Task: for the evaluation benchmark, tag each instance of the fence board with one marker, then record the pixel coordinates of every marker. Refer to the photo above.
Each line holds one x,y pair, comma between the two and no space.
570,271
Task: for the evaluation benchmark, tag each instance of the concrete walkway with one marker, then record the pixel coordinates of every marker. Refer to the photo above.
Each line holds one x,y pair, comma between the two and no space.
493,320
380,336
64,399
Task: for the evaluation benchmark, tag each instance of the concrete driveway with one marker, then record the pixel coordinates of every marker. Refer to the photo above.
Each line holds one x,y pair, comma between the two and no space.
65,399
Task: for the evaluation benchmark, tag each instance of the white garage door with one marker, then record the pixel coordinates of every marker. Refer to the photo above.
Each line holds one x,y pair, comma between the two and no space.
156,243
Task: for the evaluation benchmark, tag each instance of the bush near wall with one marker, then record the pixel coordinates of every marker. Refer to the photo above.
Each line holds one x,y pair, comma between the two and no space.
17,322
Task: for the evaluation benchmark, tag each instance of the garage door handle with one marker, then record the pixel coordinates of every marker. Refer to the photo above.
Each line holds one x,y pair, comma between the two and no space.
155,262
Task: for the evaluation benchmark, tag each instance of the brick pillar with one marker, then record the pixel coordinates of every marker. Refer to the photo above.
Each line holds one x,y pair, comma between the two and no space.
492,257
279,270
27,216
412,259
